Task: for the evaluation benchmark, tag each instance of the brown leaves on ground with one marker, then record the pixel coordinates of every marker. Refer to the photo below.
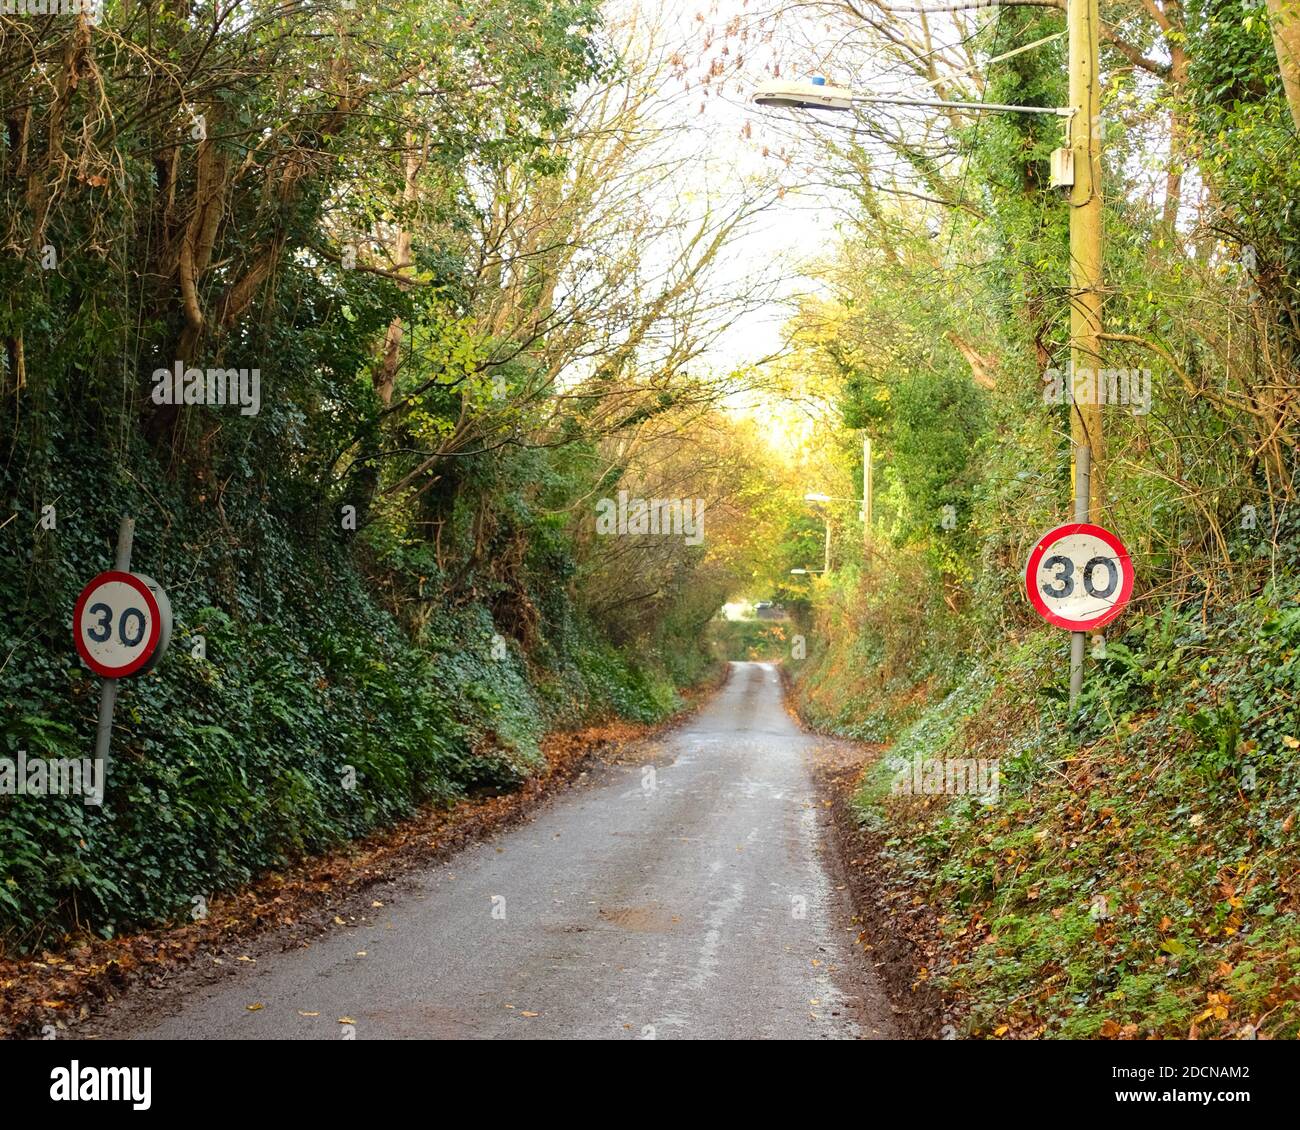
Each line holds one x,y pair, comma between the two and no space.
898,934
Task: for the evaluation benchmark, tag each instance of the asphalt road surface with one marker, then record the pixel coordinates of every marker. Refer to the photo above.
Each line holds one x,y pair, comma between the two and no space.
687,895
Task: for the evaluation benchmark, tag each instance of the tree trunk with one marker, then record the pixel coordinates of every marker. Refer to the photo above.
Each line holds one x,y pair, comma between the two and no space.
384,376
1284,19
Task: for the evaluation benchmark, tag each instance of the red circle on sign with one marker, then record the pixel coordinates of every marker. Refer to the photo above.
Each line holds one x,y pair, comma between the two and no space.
155,624
1051,538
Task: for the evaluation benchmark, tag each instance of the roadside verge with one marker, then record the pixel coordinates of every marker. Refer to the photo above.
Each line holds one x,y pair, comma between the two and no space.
893,927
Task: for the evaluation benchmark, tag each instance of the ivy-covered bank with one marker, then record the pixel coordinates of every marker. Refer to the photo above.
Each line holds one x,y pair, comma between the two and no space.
1139,880
294,710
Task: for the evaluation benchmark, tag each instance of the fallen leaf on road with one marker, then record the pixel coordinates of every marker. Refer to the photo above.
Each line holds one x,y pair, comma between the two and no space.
301,1013
256,1007
530,1014
346,1020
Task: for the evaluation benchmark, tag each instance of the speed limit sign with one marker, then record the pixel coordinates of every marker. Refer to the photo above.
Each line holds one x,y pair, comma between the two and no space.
1079,576
122,624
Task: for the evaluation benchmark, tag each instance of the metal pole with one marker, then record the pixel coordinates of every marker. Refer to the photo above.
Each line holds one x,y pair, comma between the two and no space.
866,493
940,104
1082,473
108,692
125,540
1078,641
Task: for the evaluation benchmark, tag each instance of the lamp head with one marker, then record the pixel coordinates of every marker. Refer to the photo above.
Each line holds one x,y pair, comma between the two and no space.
814,95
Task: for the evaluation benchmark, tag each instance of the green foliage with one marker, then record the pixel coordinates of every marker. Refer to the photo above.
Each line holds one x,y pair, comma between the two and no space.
746,640
1139,878
1239,111
628,689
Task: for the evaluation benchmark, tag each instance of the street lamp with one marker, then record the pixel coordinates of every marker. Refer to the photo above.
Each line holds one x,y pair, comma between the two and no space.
820,498
830,498
864,503
817,499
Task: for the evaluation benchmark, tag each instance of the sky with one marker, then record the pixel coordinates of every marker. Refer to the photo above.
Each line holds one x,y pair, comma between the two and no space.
742,144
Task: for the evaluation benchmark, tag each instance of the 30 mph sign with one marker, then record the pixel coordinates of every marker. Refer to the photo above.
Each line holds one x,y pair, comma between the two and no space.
122,623
1079,576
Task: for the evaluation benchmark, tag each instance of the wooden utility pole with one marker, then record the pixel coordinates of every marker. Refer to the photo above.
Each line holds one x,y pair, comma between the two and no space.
1088,450
1085,244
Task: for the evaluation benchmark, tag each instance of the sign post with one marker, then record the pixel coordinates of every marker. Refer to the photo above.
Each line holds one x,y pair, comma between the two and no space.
108,690
121,625
1082,474
1079,577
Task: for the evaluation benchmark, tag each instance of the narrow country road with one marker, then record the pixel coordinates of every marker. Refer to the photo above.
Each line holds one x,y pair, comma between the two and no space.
689,895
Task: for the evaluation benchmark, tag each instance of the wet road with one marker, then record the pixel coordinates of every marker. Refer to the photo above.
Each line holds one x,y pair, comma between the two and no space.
685,895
